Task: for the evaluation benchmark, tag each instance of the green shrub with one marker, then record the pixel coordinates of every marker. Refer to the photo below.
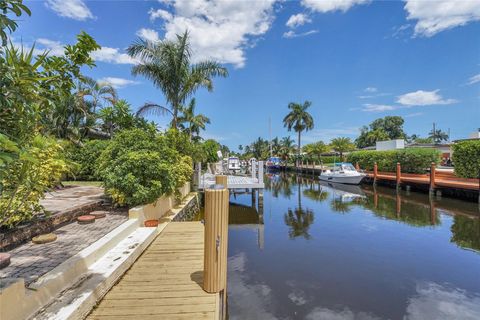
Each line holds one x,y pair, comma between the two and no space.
412,160
85,157
466,157
30,171
138,167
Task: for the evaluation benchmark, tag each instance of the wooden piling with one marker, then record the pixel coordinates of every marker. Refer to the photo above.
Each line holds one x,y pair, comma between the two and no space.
432,178
216,239
375,173
221,179
398,178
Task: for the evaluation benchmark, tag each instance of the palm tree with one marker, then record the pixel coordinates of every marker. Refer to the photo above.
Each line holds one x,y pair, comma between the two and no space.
342,145
287,146
167,64
438,136
99,93
196,122
299,120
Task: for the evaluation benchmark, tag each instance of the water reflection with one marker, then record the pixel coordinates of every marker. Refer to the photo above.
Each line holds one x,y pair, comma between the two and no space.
372,253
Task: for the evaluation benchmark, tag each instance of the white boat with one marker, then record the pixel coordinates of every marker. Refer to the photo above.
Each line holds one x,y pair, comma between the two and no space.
234,165
342,173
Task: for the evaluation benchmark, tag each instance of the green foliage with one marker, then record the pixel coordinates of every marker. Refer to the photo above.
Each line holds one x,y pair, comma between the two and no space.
466,157
387,128
168,65
85,157
412,160
342,145
29,171
298,119
209,151
139,166
315,149
7,7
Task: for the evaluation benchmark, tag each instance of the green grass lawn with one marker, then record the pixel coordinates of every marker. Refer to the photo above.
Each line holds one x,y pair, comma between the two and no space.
82,183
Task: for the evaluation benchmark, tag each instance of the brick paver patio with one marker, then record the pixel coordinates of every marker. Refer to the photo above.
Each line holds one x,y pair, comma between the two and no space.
30,261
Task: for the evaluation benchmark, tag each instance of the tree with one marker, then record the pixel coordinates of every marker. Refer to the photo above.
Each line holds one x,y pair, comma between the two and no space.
299,120
315,149
342,145
437,135
6,7
387,128
168,65
287,147
195,122
99,93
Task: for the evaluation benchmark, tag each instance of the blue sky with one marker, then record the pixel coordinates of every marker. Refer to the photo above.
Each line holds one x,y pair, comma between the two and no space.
356,60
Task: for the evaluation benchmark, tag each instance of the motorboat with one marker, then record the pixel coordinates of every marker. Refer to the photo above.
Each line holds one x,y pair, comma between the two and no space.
234,165
343,172
273,163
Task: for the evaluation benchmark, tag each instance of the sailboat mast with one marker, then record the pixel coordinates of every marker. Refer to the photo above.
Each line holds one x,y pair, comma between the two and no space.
270,134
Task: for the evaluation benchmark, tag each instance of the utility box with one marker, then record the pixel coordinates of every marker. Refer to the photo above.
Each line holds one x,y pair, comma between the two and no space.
390,145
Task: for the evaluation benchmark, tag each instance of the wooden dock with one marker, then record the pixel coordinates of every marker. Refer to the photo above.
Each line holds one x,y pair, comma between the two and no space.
233,182
165,282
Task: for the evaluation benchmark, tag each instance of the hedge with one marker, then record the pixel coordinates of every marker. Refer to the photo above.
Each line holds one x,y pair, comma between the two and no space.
412,160
466,158
85,157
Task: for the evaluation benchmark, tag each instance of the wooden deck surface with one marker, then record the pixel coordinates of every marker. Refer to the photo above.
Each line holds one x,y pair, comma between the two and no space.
165,282
233,182
441,180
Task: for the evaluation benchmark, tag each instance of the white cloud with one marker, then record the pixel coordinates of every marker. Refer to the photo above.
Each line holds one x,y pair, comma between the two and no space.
298,20
331,5
328,134
343,314
74,9
54,48
219,30
293,34
436,16
434,301
148,34
377,107
112,55
474,79
370,89
414,114
117,83
423,98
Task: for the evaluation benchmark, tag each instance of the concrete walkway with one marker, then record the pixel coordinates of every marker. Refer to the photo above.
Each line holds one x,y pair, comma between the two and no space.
71,197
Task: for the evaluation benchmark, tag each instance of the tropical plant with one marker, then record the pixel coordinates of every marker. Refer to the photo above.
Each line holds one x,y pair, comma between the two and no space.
315,149
287,147
466,157
387,128
95,94
139,166
168,65
85,158
7,7
192,123
342,145
437,135
299,120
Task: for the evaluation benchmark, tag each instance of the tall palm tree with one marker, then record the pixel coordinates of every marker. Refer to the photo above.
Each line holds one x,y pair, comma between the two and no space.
195,122
299,120
168,65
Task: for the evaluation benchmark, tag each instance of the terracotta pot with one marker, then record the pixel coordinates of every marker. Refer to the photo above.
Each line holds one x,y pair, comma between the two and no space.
151,223
86,219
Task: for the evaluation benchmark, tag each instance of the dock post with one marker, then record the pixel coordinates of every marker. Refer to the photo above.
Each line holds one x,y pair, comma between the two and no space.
398,175
398,203
260,171
375,173
254,198
222,180
432,179
216,239
254,169
313,168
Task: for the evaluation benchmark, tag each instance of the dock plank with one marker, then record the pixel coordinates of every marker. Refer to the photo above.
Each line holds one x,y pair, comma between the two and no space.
165,282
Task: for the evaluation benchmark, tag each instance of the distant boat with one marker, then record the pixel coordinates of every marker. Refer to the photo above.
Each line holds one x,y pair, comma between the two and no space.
343,172
234,165
273,163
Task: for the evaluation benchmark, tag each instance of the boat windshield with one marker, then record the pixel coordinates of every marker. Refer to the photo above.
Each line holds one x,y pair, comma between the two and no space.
344,167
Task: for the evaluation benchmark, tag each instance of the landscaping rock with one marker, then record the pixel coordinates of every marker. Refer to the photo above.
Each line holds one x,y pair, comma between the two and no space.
4,260
86,219
99,214
151,223
44,238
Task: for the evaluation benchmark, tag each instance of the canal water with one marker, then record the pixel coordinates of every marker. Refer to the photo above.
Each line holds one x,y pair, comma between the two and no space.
332,252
